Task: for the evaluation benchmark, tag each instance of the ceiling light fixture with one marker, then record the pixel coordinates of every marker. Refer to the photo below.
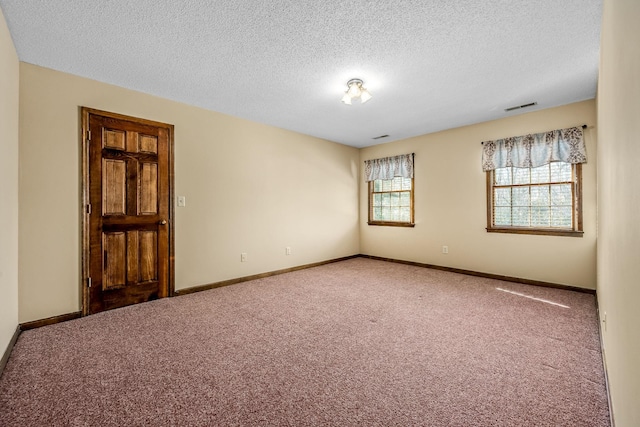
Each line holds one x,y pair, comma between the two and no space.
356,90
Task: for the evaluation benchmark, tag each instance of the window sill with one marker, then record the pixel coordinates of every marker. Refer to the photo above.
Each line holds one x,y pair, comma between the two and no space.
392,223
537,231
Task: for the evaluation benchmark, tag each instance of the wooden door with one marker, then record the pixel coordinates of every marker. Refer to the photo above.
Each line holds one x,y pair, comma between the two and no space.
127,181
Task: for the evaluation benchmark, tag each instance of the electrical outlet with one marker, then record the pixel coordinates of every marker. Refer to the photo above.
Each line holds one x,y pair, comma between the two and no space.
445,249
287,250
604,321
243,257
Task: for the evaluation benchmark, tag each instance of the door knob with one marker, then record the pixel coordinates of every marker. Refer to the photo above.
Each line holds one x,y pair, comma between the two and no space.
162,222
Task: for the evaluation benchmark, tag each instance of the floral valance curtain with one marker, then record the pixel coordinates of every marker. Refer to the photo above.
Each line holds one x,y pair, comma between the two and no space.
530,151
389,167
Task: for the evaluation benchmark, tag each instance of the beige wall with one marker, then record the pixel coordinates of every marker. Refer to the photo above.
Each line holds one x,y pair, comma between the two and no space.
249,188
9,78
450,205
619,204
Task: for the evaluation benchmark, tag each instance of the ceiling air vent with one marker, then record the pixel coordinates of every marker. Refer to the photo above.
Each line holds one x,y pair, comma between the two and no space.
380,137
517,107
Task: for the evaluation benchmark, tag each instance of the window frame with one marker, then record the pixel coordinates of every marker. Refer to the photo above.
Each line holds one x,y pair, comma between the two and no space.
370,221
576,231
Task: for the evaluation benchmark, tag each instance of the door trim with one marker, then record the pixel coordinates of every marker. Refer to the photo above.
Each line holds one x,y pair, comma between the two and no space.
85,113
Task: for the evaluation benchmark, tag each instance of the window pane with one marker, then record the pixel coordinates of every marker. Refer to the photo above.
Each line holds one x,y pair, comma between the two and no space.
377,185
396,183
386,199
405,214
502,176
540,195
540,174
502,197
520,216
386,214
406,183
377,214
395,214
521,176
386,185
395,199
377,200
561,216
540,216
405,199
521,196
502,216
561,195
560,172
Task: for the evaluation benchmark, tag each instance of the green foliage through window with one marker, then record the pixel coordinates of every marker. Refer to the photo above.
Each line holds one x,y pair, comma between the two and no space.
391,200
537,198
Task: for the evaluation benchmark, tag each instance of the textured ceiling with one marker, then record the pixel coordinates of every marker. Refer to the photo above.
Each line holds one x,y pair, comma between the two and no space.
430,64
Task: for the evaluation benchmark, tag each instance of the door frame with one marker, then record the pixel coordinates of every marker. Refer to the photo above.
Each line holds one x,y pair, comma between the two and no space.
85,113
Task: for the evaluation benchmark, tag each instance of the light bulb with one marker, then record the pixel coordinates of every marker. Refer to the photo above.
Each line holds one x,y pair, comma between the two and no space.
354,90
365,96
346,99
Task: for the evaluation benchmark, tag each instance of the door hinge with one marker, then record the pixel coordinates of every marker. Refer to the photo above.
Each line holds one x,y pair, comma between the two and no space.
89,208
89,135
88,282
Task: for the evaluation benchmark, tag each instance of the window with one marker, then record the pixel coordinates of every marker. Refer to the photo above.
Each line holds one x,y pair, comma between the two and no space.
534,182
537,200
390,181
391,202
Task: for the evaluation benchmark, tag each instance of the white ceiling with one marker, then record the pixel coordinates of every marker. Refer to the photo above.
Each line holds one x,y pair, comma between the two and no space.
430,64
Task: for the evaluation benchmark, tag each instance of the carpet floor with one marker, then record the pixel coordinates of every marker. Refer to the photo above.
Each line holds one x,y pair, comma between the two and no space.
355,343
